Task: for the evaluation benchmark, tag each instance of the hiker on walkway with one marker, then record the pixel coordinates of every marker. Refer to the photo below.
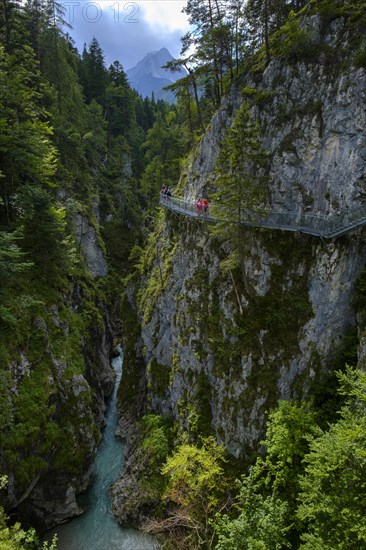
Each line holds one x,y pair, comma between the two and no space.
205,207
199,206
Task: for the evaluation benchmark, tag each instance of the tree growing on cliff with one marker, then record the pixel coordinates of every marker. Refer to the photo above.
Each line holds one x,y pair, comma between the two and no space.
333,486
239,183
195,489
268,494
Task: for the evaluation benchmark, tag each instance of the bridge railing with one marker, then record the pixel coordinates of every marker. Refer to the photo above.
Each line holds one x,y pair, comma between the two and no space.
294,221
336,224
179,205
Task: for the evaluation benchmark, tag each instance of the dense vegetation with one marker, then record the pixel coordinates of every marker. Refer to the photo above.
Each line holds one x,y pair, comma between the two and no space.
78,143
307,491
78,147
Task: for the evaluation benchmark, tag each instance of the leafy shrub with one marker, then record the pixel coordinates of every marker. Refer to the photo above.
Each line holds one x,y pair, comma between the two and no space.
295,42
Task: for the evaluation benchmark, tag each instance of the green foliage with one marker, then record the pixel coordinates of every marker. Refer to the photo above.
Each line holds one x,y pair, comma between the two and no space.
260,526
309,489
93,73
12,263
11,256
295,42
331,9
164,152
196,485
28,156
267,501
286,444
13,537
333,484
156,444
238,182
268,494
155,436
359,58
45,237
120,104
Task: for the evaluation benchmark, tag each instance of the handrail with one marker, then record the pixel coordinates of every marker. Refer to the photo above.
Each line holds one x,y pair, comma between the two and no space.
317,225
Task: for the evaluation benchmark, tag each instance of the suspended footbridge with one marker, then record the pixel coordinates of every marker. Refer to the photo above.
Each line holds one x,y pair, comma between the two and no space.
329,227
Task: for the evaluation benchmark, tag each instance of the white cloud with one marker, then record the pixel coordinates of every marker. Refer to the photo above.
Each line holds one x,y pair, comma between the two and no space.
167,15
127,30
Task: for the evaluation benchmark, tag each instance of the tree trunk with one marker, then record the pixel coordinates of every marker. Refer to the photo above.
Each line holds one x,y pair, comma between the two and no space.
194,84
266,32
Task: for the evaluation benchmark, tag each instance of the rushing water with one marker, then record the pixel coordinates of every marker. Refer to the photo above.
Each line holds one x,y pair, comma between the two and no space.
97,528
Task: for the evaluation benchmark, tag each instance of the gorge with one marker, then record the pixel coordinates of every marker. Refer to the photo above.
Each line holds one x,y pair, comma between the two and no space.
97,528
242,398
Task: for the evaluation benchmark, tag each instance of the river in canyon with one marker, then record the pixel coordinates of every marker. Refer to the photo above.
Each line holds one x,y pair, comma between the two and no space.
97,528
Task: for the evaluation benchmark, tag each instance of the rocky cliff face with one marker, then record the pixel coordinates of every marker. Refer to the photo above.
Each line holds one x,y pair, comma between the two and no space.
205,359
210,365
312,116
59,380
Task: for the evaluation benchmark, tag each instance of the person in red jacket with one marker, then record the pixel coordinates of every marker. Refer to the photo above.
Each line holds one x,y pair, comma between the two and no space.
199,206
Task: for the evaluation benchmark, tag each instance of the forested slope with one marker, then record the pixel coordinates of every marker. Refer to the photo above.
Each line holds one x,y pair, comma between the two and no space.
71,161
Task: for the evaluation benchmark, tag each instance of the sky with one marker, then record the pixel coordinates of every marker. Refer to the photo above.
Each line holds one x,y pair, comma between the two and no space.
126,30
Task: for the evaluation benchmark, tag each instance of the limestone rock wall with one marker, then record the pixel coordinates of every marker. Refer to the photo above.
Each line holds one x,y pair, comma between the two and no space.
207,362
61,373
230,368
313,118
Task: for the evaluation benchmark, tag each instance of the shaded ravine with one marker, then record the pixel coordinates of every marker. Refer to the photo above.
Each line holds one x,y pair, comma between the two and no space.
97,528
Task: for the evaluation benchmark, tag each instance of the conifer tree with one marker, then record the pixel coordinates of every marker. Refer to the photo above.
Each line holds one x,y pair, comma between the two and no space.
93,73
13,34
26,152
120,107
239,186
333,485
163,152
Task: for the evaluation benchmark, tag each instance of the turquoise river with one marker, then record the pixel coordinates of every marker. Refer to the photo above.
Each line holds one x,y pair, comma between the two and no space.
97,528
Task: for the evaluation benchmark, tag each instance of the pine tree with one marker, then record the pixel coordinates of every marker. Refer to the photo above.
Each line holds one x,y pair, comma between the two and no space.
265,17
93,73
120,104
163,152
239,186
13,32
333,486
26,152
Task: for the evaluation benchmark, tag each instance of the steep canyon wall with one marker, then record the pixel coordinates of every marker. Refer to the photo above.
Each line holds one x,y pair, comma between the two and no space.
207,364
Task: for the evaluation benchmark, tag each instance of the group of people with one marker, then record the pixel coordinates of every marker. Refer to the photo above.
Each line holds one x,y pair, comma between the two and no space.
202,206
166,191
201,203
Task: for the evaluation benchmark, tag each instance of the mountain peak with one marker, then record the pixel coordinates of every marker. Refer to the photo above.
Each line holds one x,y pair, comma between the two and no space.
148,76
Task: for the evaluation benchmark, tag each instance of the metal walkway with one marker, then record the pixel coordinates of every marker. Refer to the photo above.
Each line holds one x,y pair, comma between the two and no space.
320,226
